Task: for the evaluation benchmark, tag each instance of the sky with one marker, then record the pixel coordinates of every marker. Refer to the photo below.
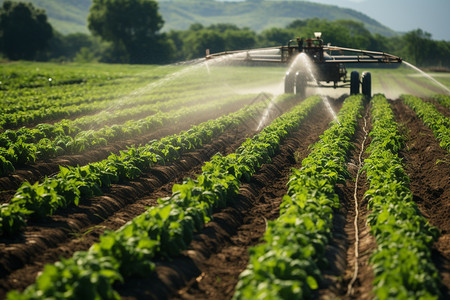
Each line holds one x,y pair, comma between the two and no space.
432,16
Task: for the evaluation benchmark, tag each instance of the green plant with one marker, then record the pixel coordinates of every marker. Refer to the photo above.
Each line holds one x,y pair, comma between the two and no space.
439,124
402,261
168,228
287,265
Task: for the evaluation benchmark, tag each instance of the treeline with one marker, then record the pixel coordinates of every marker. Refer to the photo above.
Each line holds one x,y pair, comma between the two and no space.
113,42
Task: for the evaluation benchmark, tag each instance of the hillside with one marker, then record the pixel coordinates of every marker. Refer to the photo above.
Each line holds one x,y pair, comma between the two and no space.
66,16
69,16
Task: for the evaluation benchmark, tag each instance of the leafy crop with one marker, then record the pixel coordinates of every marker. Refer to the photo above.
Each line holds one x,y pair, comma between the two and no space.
402,261
72,183
444,100
18,148
167,229
439,124
287,265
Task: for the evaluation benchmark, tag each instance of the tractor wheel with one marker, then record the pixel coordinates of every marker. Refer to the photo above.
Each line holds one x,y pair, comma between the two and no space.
289,81
300,84
354,83
366,85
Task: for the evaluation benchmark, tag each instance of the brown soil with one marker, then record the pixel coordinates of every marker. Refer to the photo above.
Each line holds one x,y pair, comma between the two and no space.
341,251
219,253
428,167
210,268
77,228
362,286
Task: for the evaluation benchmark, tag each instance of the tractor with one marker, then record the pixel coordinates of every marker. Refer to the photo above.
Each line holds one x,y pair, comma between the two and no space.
310,61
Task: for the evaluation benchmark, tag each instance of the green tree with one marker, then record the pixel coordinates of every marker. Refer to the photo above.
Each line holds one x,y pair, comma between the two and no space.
24,30
297,24
277,36
133,28
418,44
192,43
76,47
234,37
239,39
196,27
196,43
345,33
222,27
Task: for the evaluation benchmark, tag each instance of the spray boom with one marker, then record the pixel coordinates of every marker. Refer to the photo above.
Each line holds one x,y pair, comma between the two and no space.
329,62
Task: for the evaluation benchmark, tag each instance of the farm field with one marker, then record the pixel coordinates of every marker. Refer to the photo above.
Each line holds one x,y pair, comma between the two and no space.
205,181
401,80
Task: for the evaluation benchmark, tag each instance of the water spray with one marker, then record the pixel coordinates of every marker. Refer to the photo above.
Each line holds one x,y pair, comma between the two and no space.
427,76
329,108
303,60
263,121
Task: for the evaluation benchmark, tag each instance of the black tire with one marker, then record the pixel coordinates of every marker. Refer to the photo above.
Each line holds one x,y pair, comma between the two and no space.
354,83
366,85
300,84
289,82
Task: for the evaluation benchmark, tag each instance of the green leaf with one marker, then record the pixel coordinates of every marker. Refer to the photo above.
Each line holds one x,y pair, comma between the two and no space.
312,282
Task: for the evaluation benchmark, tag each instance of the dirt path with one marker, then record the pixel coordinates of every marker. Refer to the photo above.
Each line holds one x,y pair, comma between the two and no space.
341,253
430,185
210,269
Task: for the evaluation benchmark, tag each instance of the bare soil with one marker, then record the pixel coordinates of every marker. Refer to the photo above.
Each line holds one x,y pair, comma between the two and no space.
341,252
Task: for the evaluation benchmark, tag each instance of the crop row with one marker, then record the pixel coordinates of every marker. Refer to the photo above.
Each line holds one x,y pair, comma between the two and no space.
15,79
30,100
70,184
55,140
167,229
147,84
29,106
118,111
19,101
51,107
287,265
439,124
113,112
27,117
402,261
444,100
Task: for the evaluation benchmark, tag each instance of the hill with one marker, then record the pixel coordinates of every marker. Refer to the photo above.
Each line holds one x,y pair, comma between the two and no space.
68,16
